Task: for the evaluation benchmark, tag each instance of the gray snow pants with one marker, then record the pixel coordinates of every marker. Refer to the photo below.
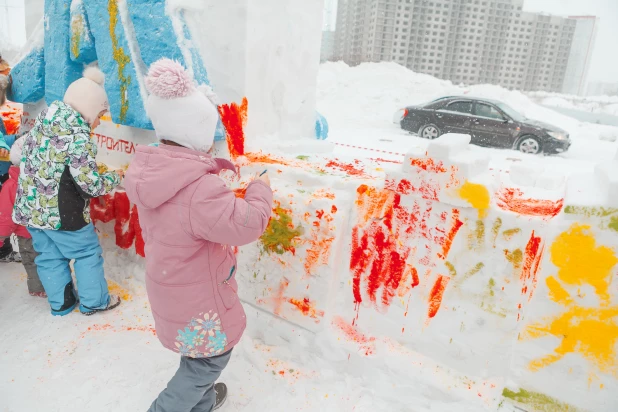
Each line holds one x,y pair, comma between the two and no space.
192,388
28,254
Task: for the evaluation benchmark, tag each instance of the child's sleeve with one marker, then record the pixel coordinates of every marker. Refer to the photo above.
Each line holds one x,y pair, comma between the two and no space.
219,216
84,170
3,144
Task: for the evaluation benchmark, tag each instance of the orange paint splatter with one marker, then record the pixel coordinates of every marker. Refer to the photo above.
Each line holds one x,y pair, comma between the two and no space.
259,157
366,343
448,241
349,168
532,259
436,295
513,200
409,281
307,308
234,118
11,114
240,192
429,165
333,209
279,299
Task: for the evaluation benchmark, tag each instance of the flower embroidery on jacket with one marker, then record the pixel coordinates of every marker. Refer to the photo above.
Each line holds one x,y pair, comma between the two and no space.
192,340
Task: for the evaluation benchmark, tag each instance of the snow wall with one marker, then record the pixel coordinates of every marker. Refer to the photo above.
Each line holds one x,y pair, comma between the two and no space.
504,279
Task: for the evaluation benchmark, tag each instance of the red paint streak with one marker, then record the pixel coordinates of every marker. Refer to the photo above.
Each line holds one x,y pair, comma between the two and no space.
367,343
512,200
282,373
448,242
126,228
429,165
307,308
333,209
532,260
234,118
349,168
436,295
404,187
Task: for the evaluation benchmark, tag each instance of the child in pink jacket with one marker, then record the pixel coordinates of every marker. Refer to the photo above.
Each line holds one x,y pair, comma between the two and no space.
190,220
8,227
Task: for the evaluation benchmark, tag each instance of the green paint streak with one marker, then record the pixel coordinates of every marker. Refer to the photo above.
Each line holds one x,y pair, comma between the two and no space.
475,239
538,401
302,157
280,235
491,285
590,211
120,57
496,229
476,269
77,27
491,308
508,234
516,257
613,223
451,269
300,191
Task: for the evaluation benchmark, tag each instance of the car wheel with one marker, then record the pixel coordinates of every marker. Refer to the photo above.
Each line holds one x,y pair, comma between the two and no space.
430,132
530,145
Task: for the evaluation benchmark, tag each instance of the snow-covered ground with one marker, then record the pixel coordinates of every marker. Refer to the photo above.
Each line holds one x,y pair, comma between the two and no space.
113,361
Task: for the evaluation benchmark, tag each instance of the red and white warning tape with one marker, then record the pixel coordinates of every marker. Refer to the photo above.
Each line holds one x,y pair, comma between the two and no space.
371,150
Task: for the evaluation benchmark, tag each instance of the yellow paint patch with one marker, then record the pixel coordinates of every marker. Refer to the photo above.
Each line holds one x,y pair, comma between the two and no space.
590,332
580,261
120,57
557,293
115,289
477,195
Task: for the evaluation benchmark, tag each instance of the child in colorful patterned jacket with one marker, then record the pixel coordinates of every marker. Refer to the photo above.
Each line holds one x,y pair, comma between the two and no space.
190,220
8,227
58,177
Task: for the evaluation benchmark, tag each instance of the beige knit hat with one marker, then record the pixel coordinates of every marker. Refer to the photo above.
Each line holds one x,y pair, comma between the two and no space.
87,95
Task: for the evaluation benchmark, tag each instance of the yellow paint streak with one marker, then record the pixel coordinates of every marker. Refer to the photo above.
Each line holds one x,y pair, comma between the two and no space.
557,293
590,332
477,195
580,261
115,289
120,57
77,28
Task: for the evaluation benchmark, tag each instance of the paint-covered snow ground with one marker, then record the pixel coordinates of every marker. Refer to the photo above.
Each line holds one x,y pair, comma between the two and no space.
113,361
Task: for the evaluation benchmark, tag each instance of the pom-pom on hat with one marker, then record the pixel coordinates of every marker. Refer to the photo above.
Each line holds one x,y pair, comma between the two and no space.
180,111
87,95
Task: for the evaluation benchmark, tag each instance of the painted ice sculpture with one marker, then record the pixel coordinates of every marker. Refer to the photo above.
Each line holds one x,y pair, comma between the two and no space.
127,36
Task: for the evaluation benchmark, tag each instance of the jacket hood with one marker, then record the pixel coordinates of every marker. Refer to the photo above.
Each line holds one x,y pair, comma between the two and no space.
14,172
61,119
157,174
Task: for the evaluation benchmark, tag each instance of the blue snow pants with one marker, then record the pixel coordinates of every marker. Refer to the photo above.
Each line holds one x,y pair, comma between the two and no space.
56,249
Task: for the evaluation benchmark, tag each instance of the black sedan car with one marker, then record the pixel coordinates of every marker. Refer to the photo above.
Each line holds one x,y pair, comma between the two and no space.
489,123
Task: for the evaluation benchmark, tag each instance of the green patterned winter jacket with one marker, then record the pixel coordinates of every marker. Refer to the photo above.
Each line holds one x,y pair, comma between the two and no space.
59,172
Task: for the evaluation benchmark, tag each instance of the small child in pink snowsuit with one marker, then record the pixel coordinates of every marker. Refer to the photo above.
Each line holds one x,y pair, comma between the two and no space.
190,220
8,227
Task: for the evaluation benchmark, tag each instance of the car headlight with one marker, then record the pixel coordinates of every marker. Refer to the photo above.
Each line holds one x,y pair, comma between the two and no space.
557,135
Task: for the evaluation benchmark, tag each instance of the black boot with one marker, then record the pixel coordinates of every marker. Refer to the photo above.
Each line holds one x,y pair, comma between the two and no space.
221,391
114,302
69,301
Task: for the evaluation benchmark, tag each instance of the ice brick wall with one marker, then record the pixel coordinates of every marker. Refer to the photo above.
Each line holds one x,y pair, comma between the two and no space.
503,278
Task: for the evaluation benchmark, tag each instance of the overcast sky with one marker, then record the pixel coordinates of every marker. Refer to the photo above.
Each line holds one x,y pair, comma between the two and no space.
604,64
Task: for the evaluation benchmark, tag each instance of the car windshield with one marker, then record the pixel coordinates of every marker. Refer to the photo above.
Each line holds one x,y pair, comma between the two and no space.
512,113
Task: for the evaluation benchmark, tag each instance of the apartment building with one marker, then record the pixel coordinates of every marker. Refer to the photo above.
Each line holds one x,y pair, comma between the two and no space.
465,41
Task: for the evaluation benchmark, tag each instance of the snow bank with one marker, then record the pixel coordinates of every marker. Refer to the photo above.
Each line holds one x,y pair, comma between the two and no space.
368,95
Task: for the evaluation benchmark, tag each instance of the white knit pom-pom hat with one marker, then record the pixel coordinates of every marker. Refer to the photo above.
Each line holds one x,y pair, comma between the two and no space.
180,111
87,95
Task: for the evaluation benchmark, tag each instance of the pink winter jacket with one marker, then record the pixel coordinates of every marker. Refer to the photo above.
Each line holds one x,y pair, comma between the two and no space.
190,220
